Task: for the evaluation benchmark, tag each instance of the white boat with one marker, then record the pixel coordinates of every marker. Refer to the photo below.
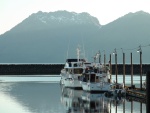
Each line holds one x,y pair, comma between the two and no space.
72,72
96,79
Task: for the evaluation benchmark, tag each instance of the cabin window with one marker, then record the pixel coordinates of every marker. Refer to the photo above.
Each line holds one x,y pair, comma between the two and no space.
70,70
66,70
88,78
92,78
85,78
79,78
69,64
97,79
92,105
95,70
75,65
78,71
100,72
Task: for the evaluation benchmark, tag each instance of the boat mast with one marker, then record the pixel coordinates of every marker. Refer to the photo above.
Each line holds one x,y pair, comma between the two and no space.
99,55
68,49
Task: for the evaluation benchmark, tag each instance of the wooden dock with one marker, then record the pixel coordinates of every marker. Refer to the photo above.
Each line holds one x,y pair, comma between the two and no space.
137,93
135,99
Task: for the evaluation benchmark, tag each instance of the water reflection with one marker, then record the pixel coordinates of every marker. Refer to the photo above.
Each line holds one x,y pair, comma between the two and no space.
71,99
37,97
76,101
93,103
30,97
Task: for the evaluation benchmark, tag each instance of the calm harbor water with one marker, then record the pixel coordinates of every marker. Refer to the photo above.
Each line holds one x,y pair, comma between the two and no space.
45,95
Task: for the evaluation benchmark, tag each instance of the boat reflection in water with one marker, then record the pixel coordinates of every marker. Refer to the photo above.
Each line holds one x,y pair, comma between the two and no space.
71,99
78,101
95,103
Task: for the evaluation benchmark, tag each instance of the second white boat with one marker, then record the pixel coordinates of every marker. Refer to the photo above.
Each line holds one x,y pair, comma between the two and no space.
96,79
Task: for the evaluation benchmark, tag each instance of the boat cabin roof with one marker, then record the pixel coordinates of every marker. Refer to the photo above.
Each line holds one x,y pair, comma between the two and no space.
74,65
75,60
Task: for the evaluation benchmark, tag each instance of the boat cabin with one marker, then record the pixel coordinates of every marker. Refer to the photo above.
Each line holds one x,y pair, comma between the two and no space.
93,74
74,66
91,77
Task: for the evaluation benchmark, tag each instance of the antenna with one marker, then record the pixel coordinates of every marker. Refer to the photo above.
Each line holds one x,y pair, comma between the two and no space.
68,49
83,48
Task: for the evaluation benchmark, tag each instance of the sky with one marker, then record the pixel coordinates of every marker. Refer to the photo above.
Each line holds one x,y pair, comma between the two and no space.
13,12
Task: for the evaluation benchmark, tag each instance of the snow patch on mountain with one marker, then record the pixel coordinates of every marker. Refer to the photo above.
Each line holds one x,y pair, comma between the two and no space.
66,17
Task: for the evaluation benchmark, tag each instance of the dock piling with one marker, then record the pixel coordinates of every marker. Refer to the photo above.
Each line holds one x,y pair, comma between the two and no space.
124,69
110,69
131,71
116,70
141,70
148,92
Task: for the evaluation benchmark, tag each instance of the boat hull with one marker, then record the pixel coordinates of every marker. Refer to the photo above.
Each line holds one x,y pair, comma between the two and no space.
71,82
88,96
96,87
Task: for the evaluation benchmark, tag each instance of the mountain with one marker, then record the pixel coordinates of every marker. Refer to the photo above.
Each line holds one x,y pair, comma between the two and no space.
55,20
46,37
132,28
128,32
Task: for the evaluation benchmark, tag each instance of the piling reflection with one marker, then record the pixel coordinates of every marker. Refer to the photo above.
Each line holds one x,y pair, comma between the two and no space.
78,101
